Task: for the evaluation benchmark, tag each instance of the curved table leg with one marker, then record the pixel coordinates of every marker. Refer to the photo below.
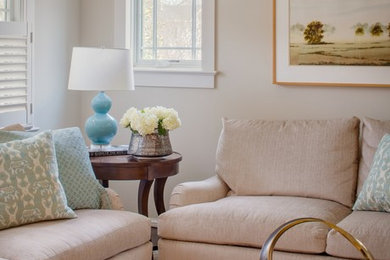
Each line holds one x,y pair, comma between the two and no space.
159,185
143,196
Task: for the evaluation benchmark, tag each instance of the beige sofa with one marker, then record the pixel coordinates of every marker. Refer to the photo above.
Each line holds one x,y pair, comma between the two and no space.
268,173
94,234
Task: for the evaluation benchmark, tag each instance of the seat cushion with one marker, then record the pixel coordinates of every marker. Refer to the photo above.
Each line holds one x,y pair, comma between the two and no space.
290,158
179,250
249,220
95,234
371,228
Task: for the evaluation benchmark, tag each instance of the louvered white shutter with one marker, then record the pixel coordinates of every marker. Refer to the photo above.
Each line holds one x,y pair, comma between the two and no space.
15,71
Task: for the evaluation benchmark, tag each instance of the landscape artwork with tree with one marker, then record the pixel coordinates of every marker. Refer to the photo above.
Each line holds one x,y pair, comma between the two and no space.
334,32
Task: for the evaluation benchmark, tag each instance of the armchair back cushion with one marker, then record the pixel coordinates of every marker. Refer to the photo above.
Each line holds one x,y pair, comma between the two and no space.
372,132
292,158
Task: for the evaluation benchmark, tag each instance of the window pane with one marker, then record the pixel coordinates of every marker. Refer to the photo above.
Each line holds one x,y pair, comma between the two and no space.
147,23
147,54
174,54
2,10
11,11
169,30
174,23
198,24
198,55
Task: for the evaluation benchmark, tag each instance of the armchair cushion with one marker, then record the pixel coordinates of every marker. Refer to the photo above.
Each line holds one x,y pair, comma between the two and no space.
291,158
249,220
371,228
95,234
372,132
375,194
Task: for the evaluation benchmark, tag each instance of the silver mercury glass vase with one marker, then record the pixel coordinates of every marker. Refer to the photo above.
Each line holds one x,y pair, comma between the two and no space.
151,145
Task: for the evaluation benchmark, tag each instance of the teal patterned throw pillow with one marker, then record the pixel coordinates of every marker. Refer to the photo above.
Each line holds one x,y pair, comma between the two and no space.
30,190
76,174
375,194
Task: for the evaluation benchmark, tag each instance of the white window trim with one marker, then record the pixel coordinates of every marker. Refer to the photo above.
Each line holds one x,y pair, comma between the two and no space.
203,77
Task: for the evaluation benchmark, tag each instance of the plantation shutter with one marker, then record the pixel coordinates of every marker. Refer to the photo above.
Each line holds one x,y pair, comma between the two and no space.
15,73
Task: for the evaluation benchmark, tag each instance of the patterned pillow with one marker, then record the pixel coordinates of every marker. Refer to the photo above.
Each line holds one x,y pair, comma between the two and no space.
76,174
30,190
375,194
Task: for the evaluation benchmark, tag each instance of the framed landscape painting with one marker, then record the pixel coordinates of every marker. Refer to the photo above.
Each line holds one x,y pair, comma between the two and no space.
332,42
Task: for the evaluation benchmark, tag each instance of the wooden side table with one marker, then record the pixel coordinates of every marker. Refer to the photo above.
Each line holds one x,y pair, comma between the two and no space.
145,169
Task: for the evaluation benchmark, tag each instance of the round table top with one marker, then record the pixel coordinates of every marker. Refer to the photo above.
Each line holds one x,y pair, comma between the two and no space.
136,161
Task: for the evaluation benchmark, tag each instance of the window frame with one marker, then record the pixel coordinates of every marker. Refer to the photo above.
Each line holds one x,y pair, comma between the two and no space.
154,63
202,76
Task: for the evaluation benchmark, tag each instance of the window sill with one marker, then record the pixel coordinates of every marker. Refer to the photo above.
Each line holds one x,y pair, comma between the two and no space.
176,78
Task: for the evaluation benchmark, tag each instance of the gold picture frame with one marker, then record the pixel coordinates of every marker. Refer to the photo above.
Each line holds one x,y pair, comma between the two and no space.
340,71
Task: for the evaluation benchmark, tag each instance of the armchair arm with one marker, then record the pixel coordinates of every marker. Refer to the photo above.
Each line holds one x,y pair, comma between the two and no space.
207,190
114,200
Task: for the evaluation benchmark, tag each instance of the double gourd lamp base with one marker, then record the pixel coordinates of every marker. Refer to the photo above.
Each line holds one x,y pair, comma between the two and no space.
101,127
101,69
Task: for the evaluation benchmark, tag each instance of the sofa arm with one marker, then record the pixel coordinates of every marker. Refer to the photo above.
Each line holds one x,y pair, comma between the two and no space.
114,200
207,190
15,127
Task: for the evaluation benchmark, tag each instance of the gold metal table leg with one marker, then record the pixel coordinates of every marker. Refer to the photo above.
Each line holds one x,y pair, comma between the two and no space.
269,245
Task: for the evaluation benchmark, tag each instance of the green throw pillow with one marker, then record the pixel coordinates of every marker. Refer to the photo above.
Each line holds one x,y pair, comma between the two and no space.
30,190
76,174
375,194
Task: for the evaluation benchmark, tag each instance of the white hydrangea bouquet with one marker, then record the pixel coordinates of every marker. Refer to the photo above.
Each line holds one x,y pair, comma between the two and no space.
151,120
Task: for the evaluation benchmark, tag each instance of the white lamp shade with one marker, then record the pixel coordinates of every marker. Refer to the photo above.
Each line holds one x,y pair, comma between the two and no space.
101,69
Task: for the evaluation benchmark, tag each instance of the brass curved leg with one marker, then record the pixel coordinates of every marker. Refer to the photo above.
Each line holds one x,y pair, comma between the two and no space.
268,247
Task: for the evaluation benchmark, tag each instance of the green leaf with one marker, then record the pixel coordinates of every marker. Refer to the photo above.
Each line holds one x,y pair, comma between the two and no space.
161,129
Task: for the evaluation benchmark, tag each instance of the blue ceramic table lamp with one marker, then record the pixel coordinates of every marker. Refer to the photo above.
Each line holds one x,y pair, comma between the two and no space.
101,69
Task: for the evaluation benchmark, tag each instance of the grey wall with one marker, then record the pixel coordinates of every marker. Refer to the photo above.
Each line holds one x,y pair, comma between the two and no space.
57,30
243,89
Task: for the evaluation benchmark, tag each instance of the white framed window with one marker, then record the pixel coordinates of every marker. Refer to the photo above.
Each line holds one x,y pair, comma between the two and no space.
15,61
173,42
11,10
168,33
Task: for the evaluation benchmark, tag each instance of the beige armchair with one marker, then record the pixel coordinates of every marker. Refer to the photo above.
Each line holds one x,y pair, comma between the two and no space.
268,173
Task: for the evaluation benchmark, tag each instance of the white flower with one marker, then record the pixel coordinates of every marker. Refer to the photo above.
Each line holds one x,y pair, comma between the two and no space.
171,121
124,122
160,112
126,118
145,124
150,120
